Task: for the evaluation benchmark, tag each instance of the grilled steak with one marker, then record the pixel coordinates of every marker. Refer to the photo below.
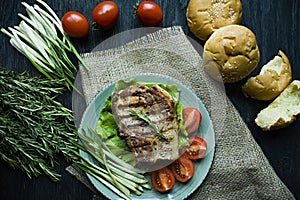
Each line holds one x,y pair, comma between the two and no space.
142,139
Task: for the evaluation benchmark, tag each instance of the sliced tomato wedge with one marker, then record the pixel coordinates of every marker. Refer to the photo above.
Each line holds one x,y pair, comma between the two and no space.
163,180
191,119
197,148
183,169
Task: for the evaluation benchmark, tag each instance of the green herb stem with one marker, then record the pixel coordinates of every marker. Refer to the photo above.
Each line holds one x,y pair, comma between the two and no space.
123,179
34,126
145,118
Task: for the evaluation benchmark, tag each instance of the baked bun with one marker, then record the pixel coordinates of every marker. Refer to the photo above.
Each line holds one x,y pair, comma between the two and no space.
273,78
282,111
206,16
231,53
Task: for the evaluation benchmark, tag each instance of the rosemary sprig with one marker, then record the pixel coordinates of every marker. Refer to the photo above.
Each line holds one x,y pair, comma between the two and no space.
34,126
145,118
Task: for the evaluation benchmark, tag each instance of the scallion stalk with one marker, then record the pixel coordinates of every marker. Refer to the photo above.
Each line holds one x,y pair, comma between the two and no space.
41,38
122,179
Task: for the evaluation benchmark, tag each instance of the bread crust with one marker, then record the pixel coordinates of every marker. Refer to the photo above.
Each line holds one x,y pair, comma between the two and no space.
269,83
231,53
206,16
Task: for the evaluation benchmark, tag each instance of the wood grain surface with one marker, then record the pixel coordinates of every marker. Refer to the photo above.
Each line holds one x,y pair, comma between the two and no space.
277,27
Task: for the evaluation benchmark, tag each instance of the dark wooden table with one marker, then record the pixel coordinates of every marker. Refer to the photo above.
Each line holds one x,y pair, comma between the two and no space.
276,25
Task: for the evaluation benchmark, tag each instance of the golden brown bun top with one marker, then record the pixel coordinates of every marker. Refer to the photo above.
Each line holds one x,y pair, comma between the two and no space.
231,53
206,16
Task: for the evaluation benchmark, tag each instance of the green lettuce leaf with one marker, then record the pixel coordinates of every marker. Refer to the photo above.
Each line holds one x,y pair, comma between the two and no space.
180,119
107,125
122,84
118,143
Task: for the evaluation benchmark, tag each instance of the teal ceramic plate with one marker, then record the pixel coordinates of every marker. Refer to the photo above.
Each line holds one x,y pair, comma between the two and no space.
188,99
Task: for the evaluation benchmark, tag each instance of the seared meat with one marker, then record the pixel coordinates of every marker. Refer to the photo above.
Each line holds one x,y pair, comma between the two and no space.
160,108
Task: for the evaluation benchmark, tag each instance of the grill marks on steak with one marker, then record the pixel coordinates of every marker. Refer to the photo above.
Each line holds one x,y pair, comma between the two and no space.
140,137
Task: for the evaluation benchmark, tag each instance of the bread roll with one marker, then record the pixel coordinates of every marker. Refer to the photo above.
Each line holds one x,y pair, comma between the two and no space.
274,77
282,111
206,16
231,53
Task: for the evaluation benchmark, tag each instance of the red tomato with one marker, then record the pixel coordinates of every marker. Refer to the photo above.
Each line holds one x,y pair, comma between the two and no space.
191,119
163,180
75,24
149,13
197,148
183,169
106,14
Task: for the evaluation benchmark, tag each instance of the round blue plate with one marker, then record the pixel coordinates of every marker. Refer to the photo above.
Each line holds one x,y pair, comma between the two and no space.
188,99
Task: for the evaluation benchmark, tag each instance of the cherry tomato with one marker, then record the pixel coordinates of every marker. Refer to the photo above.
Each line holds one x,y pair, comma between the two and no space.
197,148
106,14
191,119
75,24
149,13
183,169
163,180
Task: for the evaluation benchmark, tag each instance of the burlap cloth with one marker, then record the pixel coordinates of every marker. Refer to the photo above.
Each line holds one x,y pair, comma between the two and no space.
239,169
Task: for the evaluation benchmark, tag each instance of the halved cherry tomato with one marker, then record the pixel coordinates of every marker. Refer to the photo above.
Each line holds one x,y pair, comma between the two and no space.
163,180
106,14
191,119
149,13
75,24
197,148
183,169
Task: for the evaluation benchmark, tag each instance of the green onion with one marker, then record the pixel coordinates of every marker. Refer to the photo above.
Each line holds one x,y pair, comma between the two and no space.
38,38
123,179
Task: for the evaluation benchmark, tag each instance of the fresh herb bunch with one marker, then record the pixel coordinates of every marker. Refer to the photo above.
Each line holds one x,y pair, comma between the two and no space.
34,126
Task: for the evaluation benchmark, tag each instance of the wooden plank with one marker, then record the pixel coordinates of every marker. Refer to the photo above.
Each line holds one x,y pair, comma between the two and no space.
276,25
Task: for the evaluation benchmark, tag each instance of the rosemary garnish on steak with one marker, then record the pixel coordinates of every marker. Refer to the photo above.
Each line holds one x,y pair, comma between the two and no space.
145,118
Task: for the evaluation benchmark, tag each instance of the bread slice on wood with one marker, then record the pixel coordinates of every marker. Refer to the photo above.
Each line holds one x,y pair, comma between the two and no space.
283,110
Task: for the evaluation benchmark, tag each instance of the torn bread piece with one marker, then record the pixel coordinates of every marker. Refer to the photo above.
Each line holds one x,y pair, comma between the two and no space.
273,78
282,111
